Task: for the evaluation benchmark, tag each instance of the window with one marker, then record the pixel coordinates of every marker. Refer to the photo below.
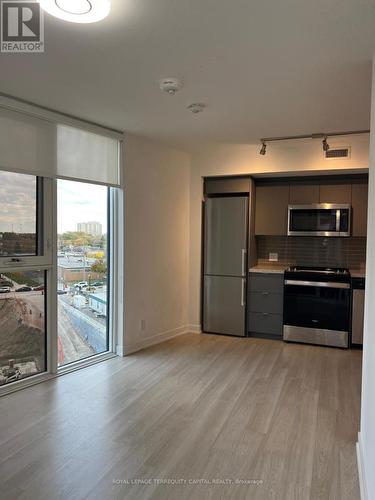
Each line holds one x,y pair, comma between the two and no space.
55,295
25,264
83,277
22,325
18,214
27,272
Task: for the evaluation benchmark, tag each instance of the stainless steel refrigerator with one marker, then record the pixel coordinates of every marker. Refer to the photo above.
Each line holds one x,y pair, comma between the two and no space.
225,265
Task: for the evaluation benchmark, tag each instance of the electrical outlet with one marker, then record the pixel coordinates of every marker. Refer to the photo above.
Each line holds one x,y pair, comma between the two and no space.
143,324
273,257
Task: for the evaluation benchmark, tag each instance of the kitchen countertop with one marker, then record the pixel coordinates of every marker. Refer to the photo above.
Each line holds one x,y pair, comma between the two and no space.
280,268
357,273
268,268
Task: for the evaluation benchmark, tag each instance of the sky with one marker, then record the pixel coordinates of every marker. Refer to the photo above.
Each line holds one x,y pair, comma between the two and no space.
80,202
77,202
17,202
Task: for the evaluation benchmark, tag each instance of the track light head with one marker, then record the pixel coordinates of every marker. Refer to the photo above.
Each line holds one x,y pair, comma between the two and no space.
325,144
263,149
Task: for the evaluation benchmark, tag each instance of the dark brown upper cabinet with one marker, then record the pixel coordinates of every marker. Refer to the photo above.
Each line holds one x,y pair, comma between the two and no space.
335,193
227,185
304,194
359,207
271,209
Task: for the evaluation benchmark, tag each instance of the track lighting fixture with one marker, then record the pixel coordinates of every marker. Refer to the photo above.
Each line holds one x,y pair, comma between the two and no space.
263,149
325,144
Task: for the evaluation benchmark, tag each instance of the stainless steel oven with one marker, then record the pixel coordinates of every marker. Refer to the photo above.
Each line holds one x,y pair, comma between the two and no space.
320,219
317,306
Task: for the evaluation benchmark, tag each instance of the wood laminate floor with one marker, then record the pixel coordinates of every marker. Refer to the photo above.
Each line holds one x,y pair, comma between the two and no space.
204,411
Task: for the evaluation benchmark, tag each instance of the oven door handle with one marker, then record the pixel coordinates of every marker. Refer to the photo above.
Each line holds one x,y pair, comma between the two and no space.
320,284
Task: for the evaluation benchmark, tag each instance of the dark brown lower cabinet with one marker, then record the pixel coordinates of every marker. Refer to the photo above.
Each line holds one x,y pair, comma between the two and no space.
265,305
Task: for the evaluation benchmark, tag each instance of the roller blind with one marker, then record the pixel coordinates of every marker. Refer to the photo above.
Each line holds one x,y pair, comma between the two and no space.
45,146
87,156
27,144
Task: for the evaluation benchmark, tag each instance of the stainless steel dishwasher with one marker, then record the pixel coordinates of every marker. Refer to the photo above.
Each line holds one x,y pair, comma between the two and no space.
358,308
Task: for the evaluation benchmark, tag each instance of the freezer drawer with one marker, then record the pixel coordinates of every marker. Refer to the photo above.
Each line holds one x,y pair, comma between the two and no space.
224,305
225,236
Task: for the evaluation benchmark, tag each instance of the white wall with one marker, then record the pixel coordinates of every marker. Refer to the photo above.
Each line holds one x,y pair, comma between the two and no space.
367,434
156,242
230,159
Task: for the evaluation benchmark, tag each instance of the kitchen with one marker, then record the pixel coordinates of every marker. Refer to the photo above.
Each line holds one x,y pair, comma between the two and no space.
284,257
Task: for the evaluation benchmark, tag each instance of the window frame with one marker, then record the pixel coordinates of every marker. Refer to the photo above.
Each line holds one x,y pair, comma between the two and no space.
44,232
114,290
110,277
4,389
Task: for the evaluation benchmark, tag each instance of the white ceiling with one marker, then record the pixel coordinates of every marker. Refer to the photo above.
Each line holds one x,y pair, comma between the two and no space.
263,67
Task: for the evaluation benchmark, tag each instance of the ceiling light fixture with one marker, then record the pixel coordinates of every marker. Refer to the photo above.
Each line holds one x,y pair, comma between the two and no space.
263,149
77,11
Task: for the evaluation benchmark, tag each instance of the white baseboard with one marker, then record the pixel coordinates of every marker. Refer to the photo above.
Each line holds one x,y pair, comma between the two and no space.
361,469
155,339
120,350
195,328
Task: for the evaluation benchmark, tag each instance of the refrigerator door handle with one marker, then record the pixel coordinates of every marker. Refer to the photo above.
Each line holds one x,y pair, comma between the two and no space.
243,287
243,257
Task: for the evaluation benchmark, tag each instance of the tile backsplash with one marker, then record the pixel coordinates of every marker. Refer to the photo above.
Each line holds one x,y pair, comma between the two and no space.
314,251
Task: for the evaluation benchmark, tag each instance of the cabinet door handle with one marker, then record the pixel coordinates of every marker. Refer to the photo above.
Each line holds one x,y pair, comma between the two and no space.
265,293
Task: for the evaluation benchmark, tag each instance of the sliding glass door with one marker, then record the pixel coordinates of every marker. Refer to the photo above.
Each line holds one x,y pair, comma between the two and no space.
82,270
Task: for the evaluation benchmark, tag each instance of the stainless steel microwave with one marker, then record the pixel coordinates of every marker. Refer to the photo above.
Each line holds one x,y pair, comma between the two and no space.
320,219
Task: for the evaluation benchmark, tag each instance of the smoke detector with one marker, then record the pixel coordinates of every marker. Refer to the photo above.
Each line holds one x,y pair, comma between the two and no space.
170,85
196,107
